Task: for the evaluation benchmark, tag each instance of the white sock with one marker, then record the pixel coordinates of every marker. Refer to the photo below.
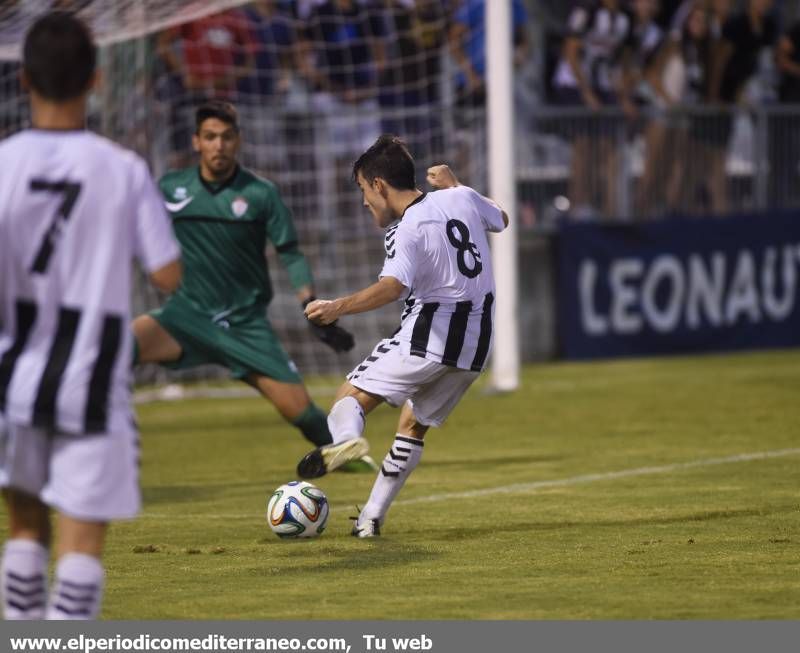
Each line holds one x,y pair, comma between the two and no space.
24,578
77,588
398,464
346,420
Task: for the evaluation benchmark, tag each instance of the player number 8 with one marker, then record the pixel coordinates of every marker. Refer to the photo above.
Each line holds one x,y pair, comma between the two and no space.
458,235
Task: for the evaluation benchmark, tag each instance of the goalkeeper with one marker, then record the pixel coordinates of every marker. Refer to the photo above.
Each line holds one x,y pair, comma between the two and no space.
223,216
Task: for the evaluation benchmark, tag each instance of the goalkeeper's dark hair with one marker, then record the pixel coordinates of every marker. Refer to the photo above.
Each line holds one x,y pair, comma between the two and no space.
389,159
219,109
59,57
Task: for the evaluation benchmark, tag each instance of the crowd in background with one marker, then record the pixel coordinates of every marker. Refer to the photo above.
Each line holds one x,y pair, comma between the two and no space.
318,80
676,72
378,60
669,76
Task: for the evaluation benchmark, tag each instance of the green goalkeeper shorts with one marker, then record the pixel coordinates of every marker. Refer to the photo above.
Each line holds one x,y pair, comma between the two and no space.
244,344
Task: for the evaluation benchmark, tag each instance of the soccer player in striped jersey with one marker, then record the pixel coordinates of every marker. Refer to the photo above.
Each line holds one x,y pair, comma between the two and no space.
223,216
437,255
75,210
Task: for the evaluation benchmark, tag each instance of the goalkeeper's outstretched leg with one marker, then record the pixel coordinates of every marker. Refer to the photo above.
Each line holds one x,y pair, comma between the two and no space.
178,337
295,405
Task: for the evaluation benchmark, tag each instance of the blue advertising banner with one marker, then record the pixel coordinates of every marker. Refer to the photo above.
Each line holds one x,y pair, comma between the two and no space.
679,286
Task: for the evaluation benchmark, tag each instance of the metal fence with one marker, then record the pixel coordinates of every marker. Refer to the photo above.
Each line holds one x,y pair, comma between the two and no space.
688,161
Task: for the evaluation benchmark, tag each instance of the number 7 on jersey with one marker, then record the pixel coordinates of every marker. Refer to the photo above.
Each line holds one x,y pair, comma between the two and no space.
70,191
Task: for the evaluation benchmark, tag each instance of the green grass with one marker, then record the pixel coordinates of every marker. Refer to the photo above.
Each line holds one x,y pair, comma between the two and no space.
712,541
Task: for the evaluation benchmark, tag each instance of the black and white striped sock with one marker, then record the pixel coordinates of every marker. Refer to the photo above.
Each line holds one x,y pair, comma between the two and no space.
24,578
398,464
77,588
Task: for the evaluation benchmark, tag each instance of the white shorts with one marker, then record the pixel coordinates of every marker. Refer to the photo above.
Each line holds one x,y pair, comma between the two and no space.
432,389
89,477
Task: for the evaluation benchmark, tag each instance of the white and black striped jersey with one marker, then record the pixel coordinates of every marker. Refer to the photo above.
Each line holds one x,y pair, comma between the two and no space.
603,34
439,250
75,210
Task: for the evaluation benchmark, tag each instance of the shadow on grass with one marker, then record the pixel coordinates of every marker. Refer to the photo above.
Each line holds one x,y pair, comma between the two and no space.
192,493
260,424
381,554
454,534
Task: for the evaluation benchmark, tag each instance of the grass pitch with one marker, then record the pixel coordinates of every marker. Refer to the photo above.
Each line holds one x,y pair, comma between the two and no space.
615,490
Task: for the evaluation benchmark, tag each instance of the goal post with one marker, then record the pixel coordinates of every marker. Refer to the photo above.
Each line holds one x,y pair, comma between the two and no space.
505,363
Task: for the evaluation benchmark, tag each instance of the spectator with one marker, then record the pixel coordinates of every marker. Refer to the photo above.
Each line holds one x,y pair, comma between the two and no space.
468,46
711,132
217,53
592,73
205,58
684,64
409,83
719,12
669,11
467,37
273,39
342,50
651,95
341,53
648,38
675,20
784,126
735,60
744,35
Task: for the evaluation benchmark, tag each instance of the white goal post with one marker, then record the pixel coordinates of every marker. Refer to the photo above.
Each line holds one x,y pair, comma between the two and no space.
502,188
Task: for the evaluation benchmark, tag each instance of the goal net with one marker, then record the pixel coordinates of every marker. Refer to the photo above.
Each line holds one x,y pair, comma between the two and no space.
315,83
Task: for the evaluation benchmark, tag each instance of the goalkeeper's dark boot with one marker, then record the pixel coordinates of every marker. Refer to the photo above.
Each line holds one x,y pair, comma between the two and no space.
330,457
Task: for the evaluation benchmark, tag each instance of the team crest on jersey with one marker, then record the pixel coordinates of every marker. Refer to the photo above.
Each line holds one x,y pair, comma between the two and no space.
239,206
180,193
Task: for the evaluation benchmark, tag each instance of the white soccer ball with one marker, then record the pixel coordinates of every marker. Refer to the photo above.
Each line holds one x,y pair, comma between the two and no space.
297,509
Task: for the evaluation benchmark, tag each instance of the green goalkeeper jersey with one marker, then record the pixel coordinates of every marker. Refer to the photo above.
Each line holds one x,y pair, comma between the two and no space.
223,230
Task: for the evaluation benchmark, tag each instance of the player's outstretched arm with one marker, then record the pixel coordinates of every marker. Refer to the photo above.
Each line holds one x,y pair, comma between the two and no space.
327,311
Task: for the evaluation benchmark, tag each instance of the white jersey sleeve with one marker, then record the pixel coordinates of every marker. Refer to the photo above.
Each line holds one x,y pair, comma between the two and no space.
402,258
155,244
491,214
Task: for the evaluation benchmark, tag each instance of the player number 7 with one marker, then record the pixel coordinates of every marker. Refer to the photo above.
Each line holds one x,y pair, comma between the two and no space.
70,191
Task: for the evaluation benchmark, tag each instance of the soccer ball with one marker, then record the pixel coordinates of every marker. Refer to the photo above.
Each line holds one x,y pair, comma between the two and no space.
297,509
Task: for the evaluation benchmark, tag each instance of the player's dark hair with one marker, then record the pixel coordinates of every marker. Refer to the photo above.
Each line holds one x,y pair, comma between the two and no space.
219,109
59,57
389,159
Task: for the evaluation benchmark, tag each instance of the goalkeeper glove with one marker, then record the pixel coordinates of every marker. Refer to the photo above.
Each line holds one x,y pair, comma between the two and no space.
332,335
